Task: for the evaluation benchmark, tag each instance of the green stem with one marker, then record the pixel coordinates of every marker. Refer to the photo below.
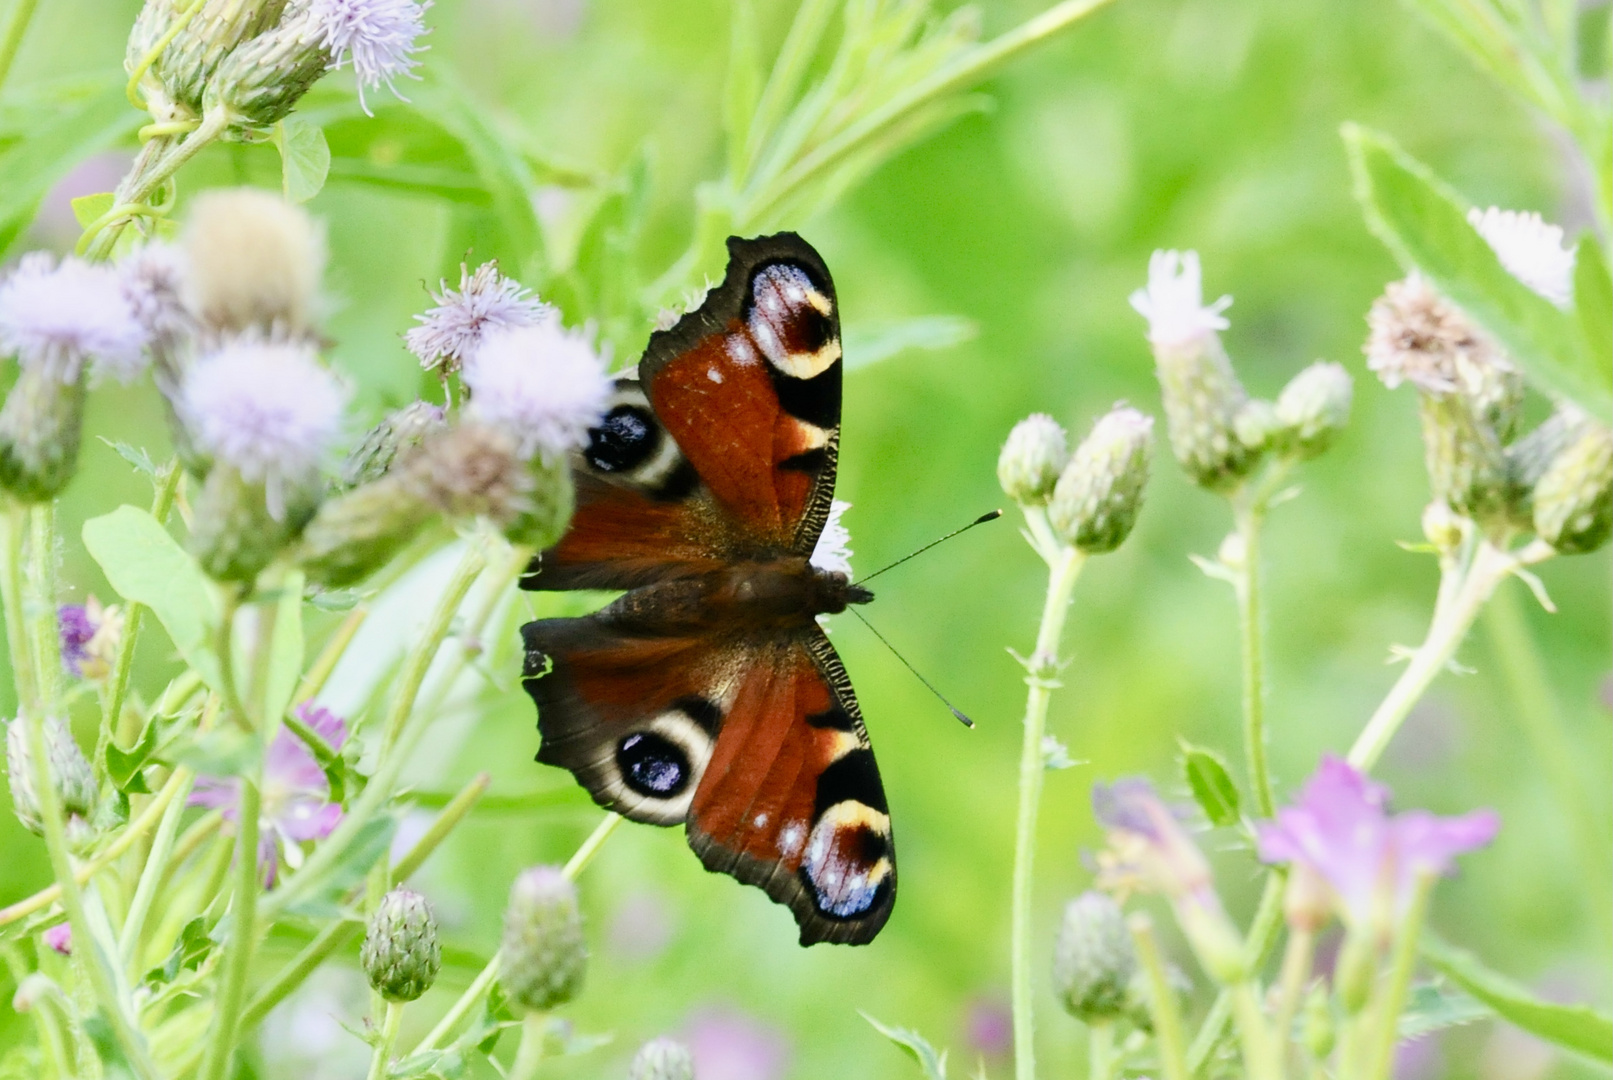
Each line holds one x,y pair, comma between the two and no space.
1392,995
149,173
1041,677
1296,972
1251,620
389,1035
1262,935
40,608
529,1055
156,867
789,68
118,687
1100,1050
243,934
1254,1034
11,587
11,39
1167,1015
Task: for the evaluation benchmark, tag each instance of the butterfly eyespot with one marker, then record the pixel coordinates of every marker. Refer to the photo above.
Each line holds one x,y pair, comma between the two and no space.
791,319
847,862
624,439
652,765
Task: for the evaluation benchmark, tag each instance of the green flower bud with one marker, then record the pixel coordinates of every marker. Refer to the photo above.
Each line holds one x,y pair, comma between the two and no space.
471,470
1467,466
1442,528
234,534
1202,399
179,74
1031,459
40,431
401,955
262,80
1256,424
1094,959
391,439
662,1059
1573,499
70,772
1313,408
543,952
357,533
1530,457
1318,1029
549,505
1097,498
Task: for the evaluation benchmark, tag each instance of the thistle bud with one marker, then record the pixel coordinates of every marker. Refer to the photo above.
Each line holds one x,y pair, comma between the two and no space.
471,470
40,431
358,532
1094,959
262,80
543,952
1256,424
662,1059
1442,528
401,955
1097,498
1467,465
1313,408
256,263
70,772
549,505
1031,460
394,437
1573,499
235,531
179,74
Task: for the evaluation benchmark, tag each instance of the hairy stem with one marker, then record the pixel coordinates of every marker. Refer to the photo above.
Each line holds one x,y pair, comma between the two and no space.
389,1035
1385,1029
1251,620
11,587
40,608
1262,936
529,1055
1100,1050
1167,1015
1254,1034
155,869
243,933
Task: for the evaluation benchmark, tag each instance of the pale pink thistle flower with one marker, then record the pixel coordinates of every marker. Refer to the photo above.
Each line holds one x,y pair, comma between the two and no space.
485,301
294,804
54,318
1173,302
1530,249
59,938
1341,829
154,285
543,384
833,549
380,37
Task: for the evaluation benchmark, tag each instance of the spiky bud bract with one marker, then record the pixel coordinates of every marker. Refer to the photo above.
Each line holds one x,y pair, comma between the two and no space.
238,525
543,952
398,434
359,531
70,773
662,1059
1100,492
41,427
401,954
1032,459
1573,499
1094,959
1313,409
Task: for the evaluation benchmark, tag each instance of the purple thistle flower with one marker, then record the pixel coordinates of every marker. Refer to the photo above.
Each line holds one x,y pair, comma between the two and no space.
1341,829
89,634
543,384
295,805
74,628
486,300
56,317
379,36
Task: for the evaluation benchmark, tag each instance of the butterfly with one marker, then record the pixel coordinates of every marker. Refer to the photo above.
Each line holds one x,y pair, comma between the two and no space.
707,694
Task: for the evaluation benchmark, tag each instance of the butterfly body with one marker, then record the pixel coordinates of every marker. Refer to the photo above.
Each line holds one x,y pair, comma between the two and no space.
707,694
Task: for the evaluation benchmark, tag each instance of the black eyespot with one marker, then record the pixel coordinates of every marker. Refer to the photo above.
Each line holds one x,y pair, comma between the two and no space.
652,765
624,439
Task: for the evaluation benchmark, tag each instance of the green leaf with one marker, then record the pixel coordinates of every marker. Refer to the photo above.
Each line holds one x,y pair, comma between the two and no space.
1573,1027
115,1063
286,650
1211,783
123,767
1424,224
188,953
334,765
917,1046
1593,296
227,751
869,344
145,564
1434,1007
304,157
88,209
135,456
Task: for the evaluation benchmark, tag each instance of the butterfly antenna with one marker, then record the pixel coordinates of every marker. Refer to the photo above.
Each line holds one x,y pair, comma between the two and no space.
968,723
981,520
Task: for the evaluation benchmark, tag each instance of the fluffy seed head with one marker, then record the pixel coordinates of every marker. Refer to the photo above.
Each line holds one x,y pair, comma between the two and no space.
1032,458
401,955
1314,407
543,384
1573,499
55,317
379,37
70,773
486,300
256,262
1531,250
1097,498
662,1059
544,955
1417,336
1094,960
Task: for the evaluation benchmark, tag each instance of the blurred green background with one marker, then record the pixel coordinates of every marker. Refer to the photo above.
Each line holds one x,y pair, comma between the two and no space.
1209,124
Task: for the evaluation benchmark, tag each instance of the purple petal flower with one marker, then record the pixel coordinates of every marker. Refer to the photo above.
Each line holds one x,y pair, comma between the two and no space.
730,1045
89,634
60,938
75,630
294,805
1342,830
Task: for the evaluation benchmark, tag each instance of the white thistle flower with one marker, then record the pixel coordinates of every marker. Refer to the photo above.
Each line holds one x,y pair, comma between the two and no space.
154,285
268,409
833,549
486,300
55,317
1531,250
379,36
1173,302
543,384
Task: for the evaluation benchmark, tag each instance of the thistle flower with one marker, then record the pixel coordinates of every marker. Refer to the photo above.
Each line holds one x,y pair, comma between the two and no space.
1149,849
56,317
543,953
70,773
832,552
470,470
662,1059
1096,501
397,435
89,634
401,955
543,384
1094,959
153,278
450,333
175,82
1201,393
1341,829
59,939
1573,499
1313,408
1032,458
256,262
294,799
379,37
1531,250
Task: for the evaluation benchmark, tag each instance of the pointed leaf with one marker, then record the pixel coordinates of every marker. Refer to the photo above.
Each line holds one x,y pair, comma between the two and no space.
1211,783
123,767
917,1047
1593,296
1433,1007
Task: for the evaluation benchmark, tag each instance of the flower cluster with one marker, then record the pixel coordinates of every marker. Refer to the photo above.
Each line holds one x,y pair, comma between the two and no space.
1090,498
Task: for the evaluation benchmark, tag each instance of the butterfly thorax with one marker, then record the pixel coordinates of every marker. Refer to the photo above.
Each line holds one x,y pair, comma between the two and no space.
762,594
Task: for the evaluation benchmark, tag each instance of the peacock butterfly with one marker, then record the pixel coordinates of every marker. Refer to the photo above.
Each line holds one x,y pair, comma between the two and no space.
707,694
